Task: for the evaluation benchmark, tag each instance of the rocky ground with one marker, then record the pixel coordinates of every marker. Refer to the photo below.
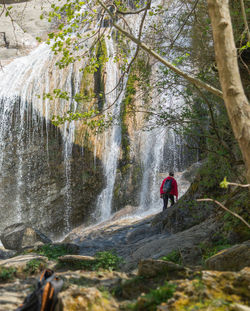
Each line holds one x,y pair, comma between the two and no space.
168,261
154,285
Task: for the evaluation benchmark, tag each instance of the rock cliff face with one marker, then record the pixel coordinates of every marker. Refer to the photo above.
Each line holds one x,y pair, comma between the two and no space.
39,186
18,33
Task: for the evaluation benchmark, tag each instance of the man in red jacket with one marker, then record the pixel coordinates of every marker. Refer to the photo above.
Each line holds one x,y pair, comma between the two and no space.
169,190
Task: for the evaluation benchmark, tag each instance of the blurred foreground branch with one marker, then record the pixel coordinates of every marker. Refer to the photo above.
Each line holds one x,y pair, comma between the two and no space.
226,209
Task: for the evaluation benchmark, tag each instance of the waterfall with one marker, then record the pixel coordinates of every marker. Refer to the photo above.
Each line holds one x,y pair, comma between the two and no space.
112,137
25,120
160,153
23,111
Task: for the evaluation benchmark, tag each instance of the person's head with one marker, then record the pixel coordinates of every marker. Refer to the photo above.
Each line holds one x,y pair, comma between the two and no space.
171,174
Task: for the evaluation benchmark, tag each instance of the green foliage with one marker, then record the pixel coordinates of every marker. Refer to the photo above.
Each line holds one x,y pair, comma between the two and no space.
210,250
82,281
238,202
108,260
7,273
34,266
224,183
150,301
198,283
212,305
212,172
78,265
174,256
53,251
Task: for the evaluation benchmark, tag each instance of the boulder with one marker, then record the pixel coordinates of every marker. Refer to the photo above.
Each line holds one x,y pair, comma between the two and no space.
239,307
20,236
76,259
86,299
191,255
20,262
152,268
232,259
5,254
183,215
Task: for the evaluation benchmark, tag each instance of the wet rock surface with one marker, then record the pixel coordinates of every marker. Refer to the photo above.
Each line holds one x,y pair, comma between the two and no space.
45,190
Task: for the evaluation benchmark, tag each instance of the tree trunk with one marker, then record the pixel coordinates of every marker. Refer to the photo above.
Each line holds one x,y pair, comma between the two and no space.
236,103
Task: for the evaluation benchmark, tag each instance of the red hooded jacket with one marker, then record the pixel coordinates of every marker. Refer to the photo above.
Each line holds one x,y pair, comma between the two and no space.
174,189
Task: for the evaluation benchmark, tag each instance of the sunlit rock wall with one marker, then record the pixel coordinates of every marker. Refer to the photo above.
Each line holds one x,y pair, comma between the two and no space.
19,30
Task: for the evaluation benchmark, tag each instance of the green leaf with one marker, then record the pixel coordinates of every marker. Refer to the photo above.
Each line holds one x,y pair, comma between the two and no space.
224,183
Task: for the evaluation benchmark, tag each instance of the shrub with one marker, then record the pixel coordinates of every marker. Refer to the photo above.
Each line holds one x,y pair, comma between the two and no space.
7,273
209,251
150,301
174,256
53,251
103,260
107,260
34,265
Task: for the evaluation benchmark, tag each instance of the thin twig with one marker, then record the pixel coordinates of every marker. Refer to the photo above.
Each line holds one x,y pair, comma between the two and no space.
238,185
179,32
243,11
188,77
226,209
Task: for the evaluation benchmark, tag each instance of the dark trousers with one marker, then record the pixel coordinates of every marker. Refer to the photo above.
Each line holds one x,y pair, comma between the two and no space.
165,200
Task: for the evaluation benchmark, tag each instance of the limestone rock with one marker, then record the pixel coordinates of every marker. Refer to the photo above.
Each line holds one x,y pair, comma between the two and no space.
5,254
234,258
183,215
13,294
124,212
74,259
21,261
20,236
191,255
12,1
86,299
20,31
151,268
165,244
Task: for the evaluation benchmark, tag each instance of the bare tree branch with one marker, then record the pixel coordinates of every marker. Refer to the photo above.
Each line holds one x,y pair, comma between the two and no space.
238,185
182,26
226,209
188,77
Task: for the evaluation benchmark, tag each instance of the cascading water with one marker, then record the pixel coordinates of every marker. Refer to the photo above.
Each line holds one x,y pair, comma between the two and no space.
112,138
161,153
23,117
